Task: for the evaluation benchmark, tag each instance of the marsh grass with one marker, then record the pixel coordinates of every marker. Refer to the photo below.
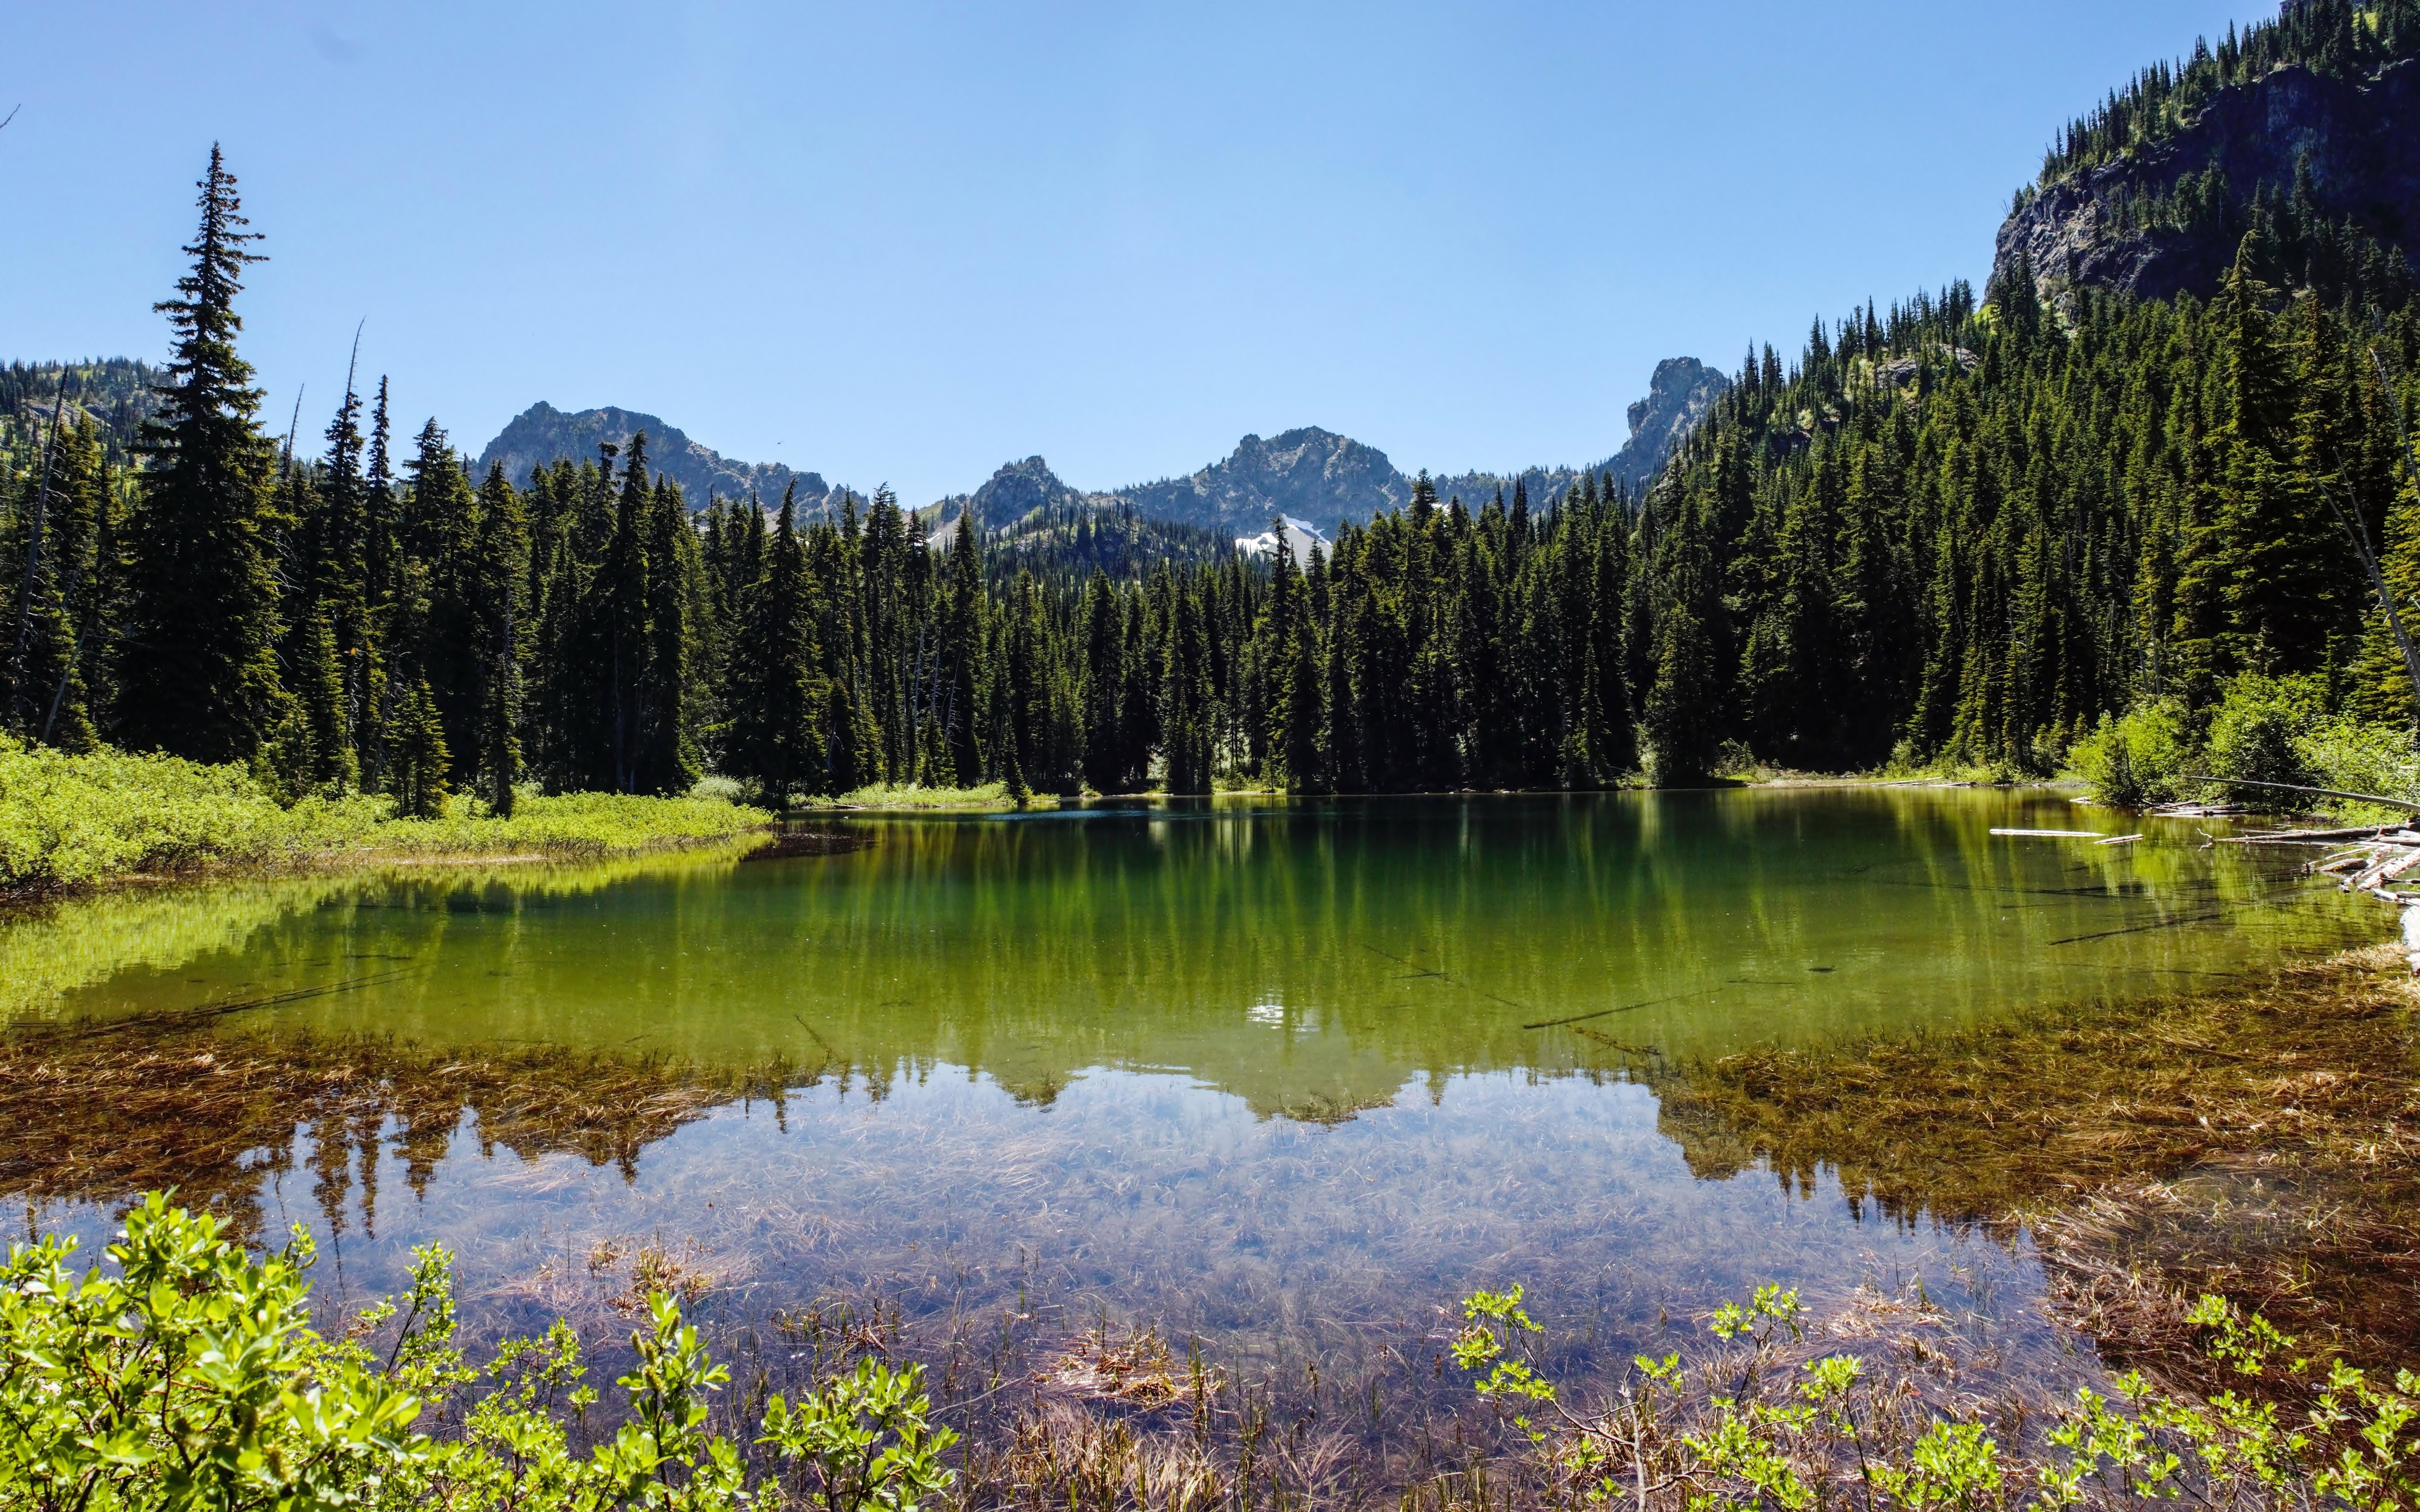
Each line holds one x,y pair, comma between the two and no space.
911,796
2253,1141
74,821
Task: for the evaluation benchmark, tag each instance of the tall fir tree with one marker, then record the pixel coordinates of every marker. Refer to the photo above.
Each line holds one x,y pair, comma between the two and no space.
197,663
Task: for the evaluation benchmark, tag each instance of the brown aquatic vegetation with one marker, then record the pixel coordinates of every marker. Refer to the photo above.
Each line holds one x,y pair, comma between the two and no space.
101,1113
2256,1141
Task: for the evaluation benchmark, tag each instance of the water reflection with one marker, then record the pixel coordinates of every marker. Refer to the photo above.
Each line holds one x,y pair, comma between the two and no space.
1288,1075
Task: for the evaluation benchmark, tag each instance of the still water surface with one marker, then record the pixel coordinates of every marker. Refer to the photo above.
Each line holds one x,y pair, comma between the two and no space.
1282,1077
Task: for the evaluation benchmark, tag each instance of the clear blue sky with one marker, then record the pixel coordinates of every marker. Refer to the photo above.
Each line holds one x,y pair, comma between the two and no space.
909,241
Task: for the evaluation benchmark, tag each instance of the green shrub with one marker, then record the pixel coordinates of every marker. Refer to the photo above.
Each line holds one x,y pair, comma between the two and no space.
67,820
2138,758
2353,756
885,795
2254,736
191,1380
187,1380
1766,1419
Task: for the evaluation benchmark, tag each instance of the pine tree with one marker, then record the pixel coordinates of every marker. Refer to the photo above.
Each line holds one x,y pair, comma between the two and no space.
197,668
502,560
780,695
54,550
422,762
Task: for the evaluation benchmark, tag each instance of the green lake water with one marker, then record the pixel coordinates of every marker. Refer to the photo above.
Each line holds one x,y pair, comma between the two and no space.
1281,1077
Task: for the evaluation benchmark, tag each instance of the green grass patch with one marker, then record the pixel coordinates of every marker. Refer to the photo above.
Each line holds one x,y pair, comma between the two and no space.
68,821
890,795
576,823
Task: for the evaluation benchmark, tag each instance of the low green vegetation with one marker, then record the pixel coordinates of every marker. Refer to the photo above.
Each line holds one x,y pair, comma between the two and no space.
2286,732
914,796
1766,1418
187,1377
185,1373
71,821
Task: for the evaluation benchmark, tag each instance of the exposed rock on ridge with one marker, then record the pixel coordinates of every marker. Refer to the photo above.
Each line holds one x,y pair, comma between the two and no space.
543,435
2356,144
1678,400
1310,473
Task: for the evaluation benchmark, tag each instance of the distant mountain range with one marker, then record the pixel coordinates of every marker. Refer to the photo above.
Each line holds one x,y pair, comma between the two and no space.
1310,474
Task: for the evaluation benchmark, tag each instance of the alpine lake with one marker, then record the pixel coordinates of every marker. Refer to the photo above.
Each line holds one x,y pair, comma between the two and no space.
1273,1081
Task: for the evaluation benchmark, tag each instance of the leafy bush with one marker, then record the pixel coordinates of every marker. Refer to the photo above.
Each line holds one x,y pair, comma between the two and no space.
191,1380
2254,736
582,824
2355,757
885,795
2138,758
67,819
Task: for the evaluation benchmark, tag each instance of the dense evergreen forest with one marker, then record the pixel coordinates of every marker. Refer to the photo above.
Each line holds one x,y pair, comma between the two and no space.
1962,532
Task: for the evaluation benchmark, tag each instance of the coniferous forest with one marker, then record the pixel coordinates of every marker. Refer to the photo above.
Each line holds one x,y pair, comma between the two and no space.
1963,532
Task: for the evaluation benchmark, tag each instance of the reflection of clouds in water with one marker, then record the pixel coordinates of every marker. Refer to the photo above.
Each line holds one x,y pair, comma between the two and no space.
1273,1014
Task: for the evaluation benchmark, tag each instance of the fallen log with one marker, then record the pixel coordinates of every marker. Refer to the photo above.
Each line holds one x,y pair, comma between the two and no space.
2297,787
2310,837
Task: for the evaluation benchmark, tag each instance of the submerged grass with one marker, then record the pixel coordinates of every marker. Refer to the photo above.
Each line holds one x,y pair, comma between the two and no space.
71,821
2256,1141
99,1113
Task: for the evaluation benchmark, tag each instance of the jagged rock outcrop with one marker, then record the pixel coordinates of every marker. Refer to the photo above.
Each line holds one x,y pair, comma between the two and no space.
1019,489
2354,144
1310,473
543,435
1319,476
1679,397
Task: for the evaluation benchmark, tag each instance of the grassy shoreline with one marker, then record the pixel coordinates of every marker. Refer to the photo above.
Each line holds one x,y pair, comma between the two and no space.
70,823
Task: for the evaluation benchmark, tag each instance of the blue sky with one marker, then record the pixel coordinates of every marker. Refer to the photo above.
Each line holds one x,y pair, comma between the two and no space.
909,241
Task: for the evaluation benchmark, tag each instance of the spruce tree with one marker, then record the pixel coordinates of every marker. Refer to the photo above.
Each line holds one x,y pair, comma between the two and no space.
196,665
502,571
779,696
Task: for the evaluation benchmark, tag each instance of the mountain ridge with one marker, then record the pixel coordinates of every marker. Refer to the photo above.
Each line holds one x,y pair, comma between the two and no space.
542,435
2285,128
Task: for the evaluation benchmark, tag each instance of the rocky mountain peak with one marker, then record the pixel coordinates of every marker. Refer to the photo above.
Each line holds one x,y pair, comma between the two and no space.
542,435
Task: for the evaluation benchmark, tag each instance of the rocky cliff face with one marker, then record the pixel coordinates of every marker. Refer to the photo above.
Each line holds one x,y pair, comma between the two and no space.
1678,400
2153,224
542,435
1019,489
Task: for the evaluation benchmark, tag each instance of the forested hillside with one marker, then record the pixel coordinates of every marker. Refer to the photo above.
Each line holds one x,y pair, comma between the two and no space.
2310,122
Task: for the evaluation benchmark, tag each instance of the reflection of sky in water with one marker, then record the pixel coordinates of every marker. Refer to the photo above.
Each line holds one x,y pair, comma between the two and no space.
1144,1197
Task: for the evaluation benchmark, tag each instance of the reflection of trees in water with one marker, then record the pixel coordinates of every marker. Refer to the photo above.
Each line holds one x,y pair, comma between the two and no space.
100,1114
48,950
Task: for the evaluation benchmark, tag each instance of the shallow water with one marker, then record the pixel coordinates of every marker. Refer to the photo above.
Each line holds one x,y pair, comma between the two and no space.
1282,1077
